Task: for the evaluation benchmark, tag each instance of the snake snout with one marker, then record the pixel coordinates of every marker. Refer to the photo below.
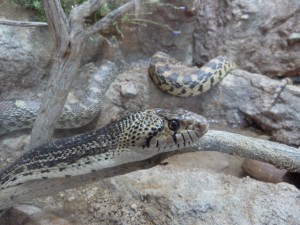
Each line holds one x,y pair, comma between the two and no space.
197,123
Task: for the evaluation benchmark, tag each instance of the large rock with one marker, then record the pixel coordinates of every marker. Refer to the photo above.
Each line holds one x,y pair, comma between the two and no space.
172,195
169,27
239,100
24,60
261,36
26,53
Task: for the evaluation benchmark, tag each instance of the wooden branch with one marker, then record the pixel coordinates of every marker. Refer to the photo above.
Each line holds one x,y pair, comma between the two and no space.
63,70
22,23
86,9
70,36
56,18
279,155
110,18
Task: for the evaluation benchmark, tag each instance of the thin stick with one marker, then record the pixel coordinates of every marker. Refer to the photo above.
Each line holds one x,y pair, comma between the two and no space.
22,23
110,18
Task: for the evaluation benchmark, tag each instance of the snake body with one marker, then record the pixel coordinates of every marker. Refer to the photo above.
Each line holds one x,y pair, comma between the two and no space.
131,138
20,114
169,74
179,80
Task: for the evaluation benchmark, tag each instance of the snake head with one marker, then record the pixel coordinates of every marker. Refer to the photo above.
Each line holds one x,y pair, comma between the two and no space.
161,130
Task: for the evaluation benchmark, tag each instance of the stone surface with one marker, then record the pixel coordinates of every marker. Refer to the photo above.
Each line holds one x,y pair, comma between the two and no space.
263,171
25,55
23,60
239,101
169,28
256,34
173,195
282,121
31,215
268,173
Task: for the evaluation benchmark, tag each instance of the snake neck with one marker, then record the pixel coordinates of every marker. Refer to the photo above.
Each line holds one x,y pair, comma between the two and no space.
83,153
131,138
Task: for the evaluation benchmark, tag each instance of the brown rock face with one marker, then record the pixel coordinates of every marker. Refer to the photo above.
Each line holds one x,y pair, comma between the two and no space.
262,37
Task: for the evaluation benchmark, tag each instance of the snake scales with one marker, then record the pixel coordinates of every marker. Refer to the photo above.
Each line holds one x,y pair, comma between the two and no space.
19,114
142,133
128,139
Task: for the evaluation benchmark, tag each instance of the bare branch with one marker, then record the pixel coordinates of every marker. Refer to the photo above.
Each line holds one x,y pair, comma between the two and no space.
64,67
86,9
279,155
56,18
70,36
110,18
22,23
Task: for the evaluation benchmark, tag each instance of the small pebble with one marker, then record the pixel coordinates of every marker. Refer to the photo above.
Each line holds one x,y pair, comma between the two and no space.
134,207
128,90
245,17
71,198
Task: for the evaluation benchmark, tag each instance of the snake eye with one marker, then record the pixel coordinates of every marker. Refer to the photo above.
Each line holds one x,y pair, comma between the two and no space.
173,124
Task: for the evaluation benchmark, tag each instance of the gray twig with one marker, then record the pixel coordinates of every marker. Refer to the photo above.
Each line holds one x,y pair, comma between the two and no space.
22,23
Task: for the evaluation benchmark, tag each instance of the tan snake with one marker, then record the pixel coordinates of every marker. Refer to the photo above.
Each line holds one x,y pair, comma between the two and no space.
128,139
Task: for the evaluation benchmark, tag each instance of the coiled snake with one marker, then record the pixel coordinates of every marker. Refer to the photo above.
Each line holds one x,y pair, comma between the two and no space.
142,133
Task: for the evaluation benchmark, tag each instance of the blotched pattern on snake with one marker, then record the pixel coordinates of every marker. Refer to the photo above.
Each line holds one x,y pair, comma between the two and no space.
131,138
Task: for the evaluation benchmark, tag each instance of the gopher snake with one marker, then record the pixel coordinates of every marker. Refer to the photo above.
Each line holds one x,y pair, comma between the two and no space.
142,133
128,139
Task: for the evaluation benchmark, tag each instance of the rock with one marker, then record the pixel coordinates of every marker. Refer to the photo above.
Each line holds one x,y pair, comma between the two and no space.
282,121
268,173
173,195
169,28
259,36
21,64
25,55
239,100
128,90
263,171
31,215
